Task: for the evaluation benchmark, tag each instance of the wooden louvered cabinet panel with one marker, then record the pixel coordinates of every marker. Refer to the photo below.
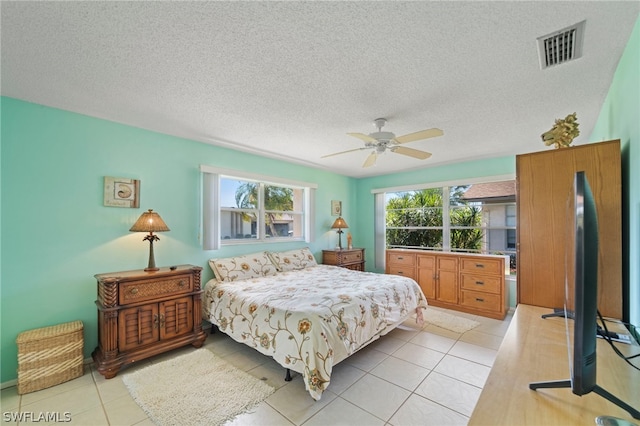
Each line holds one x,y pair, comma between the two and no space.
545,223
141,314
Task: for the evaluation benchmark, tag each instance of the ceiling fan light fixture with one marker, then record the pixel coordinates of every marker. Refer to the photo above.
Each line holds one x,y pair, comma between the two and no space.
381,141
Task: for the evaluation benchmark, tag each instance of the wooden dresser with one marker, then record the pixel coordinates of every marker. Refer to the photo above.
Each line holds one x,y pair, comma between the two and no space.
465,282
346,258
141,314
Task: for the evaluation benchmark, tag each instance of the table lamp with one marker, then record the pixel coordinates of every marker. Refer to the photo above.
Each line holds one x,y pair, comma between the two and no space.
339,224
150,222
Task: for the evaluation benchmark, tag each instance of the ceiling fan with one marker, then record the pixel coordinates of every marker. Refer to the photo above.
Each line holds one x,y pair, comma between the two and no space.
380,141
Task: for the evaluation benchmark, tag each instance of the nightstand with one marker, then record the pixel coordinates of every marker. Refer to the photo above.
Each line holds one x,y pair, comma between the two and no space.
141,314
346,258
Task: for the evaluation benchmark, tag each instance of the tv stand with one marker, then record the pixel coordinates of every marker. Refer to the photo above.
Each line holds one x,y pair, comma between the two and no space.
597,389
534,348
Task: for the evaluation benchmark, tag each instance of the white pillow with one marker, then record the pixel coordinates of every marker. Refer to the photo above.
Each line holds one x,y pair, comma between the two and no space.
293,259
242,267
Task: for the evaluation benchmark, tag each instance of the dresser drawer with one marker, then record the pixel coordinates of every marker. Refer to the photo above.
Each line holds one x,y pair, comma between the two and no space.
481,283
484,266
141,291
398,270
350,256
478,300
401,259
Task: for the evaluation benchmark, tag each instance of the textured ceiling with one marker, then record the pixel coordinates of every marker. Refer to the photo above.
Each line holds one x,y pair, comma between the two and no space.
289,79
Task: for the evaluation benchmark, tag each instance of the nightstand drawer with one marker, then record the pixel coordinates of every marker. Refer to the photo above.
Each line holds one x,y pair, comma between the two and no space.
141,291
351,256
484,266
481,283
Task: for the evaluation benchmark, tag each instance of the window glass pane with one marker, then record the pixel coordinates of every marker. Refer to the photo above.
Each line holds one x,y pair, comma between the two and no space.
237,225
237,193
283,199
283,225
414,238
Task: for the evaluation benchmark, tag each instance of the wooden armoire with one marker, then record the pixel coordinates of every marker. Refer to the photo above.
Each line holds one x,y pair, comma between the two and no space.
545,223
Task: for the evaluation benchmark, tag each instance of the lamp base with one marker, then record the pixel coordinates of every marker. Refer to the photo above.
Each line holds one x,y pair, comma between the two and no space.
151,269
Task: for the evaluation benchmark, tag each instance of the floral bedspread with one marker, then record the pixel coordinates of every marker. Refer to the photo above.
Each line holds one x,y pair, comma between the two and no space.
309,320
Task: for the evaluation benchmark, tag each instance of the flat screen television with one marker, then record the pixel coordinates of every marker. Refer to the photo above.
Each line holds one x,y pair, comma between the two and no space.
582,300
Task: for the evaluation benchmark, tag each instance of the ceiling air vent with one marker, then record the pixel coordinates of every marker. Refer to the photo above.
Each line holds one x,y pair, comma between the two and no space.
561,46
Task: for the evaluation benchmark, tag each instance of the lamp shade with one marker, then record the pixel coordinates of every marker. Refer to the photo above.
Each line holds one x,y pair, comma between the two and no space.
149,221
339,223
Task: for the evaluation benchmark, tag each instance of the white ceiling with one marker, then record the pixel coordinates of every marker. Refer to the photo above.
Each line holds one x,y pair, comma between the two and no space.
289,79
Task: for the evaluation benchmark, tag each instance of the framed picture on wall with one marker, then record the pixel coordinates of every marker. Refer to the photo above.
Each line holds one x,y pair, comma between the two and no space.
121,192
336,208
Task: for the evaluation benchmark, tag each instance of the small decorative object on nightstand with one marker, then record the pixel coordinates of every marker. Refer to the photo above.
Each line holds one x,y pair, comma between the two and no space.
346,258
141,314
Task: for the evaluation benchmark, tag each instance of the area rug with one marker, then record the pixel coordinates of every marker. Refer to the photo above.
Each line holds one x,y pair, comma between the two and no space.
197,388
447,321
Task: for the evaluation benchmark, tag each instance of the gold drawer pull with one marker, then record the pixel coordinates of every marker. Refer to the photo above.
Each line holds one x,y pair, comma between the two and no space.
181,283
134,290
479,265
480,282
478,299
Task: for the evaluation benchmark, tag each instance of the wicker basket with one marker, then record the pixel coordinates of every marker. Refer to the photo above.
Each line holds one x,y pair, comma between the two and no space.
49,356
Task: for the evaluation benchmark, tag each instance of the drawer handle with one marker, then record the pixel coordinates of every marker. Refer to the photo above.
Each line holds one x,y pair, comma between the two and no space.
478,299
134,290
161,321
479,265
400,258
400,273
181,283
480,282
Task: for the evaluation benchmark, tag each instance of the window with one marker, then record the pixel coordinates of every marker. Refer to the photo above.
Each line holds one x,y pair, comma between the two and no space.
477,217
241,208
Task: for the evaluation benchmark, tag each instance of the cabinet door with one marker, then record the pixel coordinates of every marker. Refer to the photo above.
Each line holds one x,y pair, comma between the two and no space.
176,317
137,326
427,275
545,223
447,279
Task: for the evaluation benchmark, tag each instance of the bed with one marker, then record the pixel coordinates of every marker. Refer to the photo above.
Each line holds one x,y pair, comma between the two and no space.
308,317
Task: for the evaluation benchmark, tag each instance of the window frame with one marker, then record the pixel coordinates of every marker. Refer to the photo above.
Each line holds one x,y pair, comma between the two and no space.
211,207
380,210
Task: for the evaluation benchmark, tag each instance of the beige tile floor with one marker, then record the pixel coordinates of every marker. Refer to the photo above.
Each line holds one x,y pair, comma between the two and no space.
411,376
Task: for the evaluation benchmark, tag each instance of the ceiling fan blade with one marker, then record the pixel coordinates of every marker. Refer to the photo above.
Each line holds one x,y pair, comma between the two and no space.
342,152
363,137
423,134
421,155
371,160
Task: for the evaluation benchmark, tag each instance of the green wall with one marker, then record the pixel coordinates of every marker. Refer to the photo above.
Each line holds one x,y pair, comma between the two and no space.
56,233
620,119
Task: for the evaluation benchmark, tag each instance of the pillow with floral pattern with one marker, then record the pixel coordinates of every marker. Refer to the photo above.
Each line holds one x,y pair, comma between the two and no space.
244,267
293,259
